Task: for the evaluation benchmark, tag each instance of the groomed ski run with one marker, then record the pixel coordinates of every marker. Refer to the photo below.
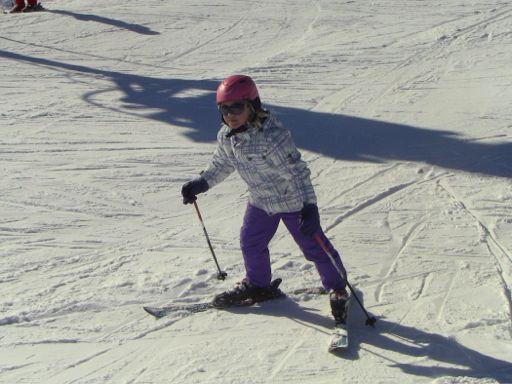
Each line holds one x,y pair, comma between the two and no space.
402,111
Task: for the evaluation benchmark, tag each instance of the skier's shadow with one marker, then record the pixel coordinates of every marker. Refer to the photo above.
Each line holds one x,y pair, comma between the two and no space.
141,29
437,355
291,309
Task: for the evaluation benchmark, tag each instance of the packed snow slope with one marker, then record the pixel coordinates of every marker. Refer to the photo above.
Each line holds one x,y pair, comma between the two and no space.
403,111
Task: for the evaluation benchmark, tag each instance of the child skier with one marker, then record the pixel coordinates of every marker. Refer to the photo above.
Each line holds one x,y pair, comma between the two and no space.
253,142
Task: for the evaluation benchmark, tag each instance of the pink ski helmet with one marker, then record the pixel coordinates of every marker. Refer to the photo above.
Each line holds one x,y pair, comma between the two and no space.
237,87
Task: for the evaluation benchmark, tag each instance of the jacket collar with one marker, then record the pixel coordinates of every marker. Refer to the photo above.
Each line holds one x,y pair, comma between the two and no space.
236,131
250,128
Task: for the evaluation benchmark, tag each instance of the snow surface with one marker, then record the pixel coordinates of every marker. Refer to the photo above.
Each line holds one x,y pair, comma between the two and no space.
403,111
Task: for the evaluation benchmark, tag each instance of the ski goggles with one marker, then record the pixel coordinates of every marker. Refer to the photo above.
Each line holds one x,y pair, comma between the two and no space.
233,109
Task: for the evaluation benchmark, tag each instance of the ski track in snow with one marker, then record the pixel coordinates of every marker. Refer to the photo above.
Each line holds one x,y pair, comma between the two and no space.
391,268
278,367
107,110
503,256
365,204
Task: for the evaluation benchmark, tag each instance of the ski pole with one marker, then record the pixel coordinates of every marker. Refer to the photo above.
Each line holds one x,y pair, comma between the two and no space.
221,275
370,320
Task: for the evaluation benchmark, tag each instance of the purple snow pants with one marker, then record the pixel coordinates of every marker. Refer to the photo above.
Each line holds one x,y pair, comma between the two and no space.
258,229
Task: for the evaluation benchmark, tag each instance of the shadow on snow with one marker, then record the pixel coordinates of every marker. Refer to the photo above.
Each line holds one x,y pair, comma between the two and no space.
190,104
412,350
105,20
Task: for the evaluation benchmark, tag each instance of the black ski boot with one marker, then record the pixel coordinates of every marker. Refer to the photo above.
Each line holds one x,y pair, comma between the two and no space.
244,293
339,299
33,8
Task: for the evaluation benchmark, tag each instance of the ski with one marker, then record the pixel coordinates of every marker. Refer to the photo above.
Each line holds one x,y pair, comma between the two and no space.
201,307
339,338
159,312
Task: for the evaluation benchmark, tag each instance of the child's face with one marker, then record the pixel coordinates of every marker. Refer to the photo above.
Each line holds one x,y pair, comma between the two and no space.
235,113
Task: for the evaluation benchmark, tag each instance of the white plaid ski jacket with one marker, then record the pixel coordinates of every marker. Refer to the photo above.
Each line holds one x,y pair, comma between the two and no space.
268,161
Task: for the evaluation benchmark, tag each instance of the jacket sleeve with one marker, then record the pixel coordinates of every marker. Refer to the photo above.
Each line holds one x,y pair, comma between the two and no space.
220,166
285,156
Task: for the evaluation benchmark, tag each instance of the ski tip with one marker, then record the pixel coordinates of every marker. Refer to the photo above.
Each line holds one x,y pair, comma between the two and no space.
276,283
339,346
153,312
338,351
148,310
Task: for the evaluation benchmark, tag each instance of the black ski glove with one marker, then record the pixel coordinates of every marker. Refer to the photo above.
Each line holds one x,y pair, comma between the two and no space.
309,220
191,189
